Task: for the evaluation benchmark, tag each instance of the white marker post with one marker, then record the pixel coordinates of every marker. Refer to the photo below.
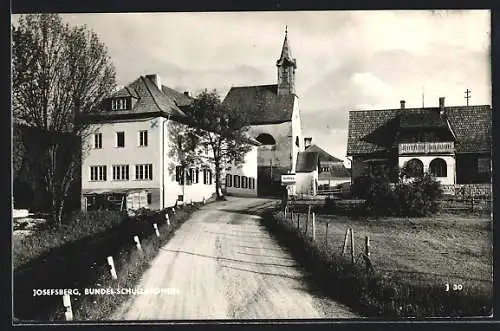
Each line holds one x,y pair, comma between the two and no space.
156,229
112,265
137,243
203,200
173,210
67,305
168,219
314,225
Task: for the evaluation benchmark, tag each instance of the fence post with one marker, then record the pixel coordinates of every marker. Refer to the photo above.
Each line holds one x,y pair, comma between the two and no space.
308,212
298,222
314,225
67,305
367,246
472,203
284,211
137,243
112,269
326,235
203,200
344,246
156,229
352,245
307,225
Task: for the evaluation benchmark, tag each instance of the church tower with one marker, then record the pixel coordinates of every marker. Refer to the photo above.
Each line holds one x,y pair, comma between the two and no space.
286,69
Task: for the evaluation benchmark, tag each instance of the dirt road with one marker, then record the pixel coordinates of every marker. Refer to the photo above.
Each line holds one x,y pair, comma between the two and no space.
222,264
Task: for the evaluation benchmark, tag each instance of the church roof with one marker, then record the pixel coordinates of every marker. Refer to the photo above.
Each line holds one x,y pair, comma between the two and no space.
323,155
307,161
372,131
261,103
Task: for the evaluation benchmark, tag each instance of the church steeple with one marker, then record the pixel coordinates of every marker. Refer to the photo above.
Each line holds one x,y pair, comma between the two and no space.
286,65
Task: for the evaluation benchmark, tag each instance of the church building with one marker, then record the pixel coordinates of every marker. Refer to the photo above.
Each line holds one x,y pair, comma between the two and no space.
274,117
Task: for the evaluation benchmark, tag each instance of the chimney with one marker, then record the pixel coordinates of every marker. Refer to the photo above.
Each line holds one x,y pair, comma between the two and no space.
155,78
403,103
441,105
307,142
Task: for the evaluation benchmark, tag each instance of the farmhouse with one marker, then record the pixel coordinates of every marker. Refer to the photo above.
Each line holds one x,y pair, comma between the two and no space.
274,116
332,171
452,143
132,148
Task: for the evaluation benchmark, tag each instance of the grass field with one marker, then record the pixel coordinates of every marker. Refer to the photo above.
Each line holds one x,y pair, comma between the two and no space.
438,250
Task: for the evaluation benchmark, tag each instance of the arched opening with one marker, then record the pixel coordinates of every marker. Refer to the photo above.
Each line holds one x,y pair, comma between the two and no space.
266,139
414,168
438,167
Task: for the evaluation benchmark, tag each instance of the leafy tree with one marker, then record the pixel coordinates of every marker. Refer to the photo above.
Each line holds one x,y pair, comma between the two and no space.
222,130
58,73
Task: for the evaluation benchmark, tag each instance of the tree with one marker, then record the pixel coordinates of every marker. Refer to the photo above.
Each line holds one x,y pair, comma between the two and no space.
222,130
59,72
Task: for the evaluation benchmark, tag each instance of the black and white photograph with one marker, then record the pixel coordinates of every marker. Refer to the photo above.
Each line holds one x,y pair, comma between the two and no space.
251,166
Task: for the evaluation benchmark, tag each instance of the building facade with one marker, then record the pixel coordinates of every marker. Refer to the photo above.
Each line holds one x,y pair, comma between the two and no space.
274,117
132,146
241,179
451,143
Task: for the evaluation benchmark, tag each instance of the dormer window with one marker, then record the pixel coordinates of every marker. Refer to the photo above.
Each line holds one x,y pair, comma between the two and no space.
119,104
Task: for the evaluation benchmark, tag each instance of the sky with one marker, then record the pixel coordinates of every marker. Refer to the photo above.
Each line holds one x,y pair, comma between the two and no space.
346,60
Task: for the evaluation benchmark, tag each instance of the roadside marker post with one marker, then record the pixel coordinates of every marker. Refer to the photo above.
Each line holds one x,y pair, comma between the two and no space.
156,229
203,200
67,305
173,210
314,225
168,219
112,269
137,243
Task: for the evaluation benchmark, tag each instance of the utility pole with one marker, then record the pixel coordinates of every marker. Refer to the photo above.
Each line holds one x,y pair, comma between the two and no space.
467,96
423,97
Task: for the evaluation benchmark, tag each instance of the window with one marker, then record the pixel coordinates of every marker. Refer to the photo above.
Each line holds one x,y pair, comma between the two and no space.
266,139
119,104
190,176
98,173
143,138
229,180
297,141
120,139
179,175
98,140
144,171
324,169
209,177
197,176
251,183
236,181
437,167
415,167
483,165
205,176
244,182
150,198
121,172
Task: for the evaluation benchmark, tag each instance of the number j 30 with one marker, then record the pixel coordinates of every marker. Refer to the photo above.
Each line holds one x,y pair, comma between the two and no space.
453,287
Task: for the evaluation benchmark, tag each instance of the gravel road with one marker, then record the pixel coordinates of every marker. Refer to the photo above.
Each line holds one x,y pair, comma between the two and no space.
223,264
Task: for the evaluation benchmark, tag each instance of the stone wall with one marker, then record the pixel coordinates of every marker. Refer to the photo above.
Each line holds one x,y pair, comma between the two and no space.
468,190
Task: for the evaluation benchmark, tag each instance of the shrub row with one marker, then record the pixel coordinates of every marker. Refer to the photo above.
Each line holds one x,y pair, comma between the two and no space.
373,294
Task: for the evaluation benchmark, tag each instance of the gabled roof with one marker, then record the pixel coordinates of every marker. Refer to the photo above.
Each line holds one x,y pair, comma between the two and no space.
146,99
373,131
261,103
180,99
379,124
307,161
323,155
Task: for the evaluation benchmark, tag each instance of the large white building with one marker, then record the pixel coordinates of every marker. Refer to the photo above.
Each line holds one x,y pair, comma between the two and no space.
132,147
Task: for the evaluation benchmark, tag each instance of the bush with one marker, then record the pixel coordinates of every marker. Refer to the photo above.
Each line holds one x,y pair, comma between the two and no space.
415,195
